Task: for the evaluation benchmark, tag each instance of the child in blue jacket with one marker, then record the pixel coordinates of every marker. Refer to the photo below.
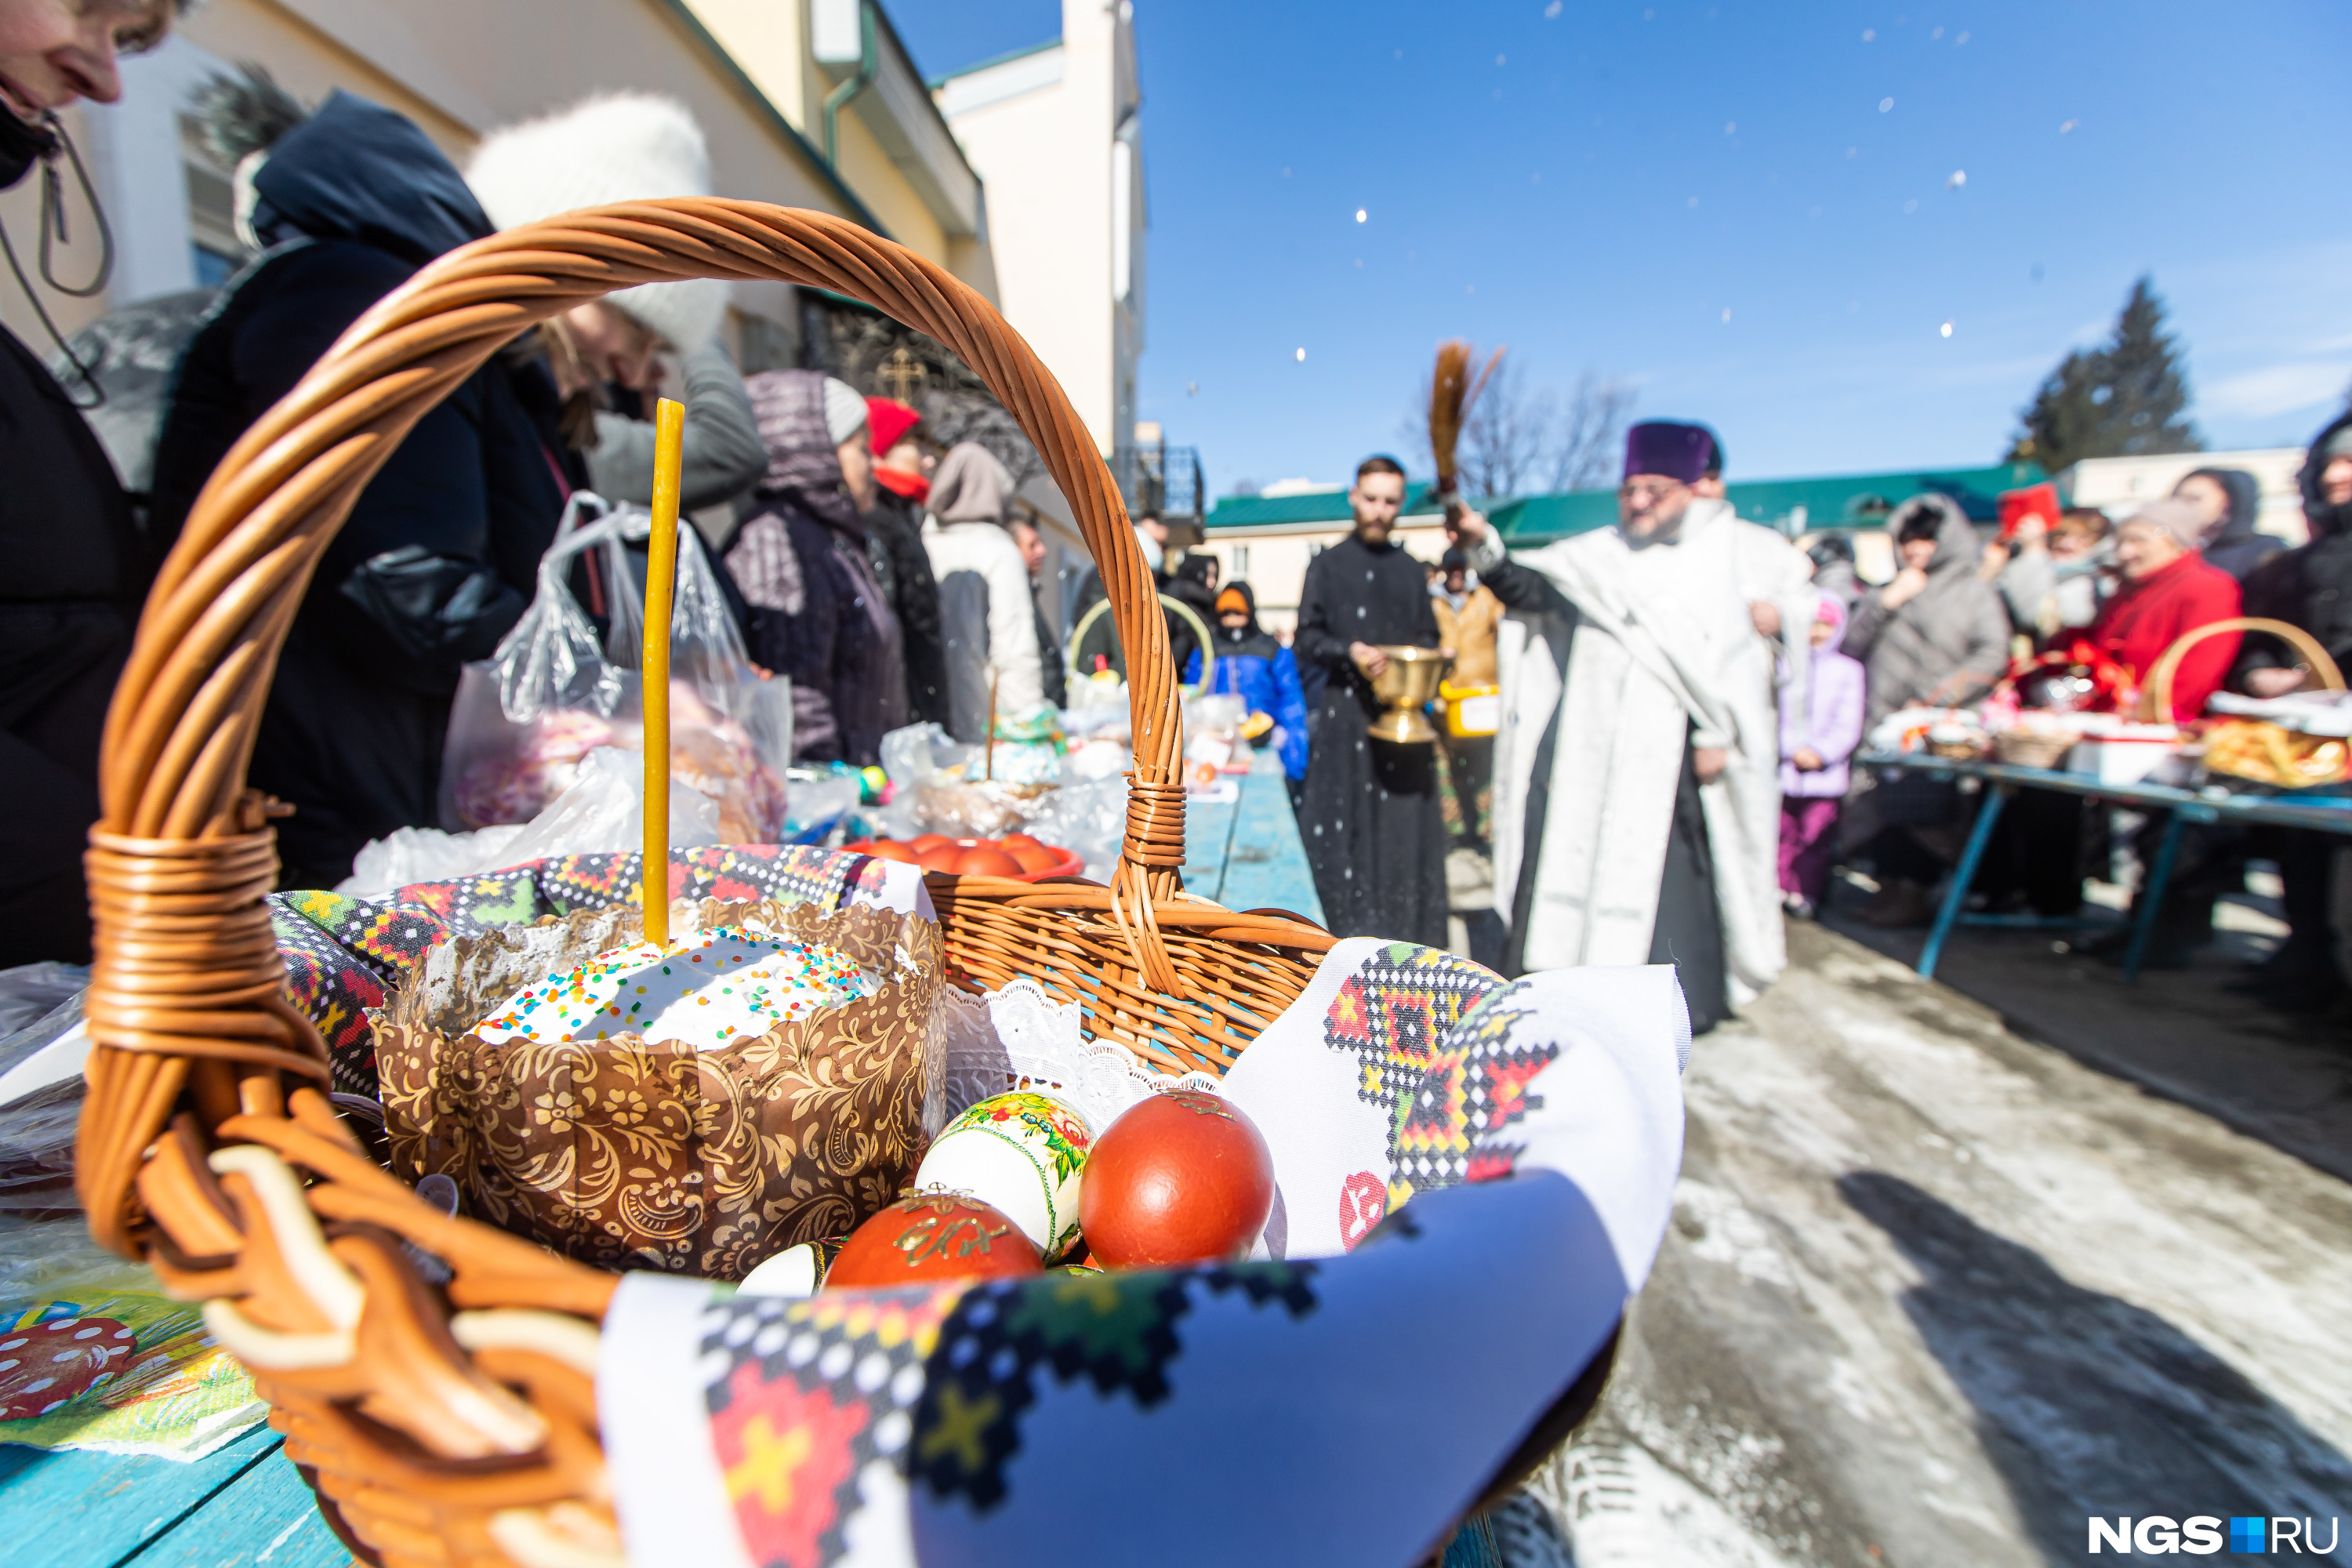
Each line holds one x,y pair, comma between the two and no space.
1254,667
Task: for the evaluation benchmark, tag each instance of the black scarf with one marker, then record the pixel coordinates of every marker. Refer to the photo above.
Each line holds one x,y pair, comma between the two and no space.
21,146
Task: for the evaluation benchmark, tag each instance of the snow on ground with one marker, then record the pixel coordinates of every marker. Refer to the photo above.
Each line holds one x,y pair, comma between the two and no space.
1935,1294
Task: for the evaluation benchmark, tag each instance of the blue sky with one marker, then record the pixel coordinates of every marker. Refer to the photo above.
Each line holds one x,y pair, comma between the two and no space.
1598,183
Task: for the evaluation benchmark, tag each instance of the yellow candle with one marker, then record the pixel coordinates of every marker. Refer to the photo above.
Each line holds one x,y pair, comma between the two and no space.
661,577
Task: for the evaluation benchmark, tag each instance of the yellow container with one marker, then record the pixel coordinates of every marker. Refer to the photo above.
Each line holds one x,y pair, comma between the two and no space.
1472,711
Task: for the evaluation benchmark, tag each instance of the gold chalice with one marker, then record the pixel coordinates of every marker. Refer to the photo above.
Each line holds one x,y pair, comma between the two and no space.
1404,688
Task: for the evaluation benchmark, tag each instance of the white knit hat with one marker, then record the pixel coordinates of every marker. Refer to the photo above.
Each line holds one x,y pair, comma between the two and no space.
614,147
845,411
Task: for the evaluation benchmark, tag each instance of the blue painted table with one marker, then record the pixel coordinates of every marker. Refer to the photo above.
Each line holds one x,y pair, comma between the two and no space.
1246,854
2324,812
245,1506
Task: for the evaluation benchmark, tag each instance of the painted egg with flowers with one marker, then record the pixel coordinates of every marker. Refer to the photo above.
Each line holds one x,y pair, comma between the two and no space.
1022,1152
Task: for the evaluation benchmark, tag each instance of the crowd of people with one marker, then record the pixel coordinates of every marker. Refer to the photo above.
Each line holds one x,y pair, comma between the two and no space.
1683,696
891,577
1680,696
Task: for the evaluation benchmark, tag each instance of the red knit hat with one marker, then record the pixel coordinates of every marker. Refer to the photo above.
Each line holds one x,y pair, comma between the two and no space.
888,420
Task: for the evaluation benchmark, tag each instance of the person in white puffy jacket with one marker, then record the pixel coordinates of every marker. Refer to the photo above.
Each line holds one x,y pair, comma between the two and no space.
988,619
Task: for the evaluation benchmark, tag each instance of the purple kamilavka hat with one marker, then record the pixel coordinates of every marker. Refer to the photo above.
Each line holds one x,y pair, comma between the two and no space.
1675,451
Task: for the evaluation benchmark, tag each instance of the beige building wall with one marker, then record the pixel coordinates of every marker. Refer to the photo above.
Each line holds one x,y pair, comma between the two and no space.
459,67
2115,485
1053,133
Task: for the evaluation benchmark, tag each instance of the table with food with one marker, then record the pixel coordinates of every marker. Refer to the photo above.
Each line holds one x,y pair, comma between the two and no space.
2072,722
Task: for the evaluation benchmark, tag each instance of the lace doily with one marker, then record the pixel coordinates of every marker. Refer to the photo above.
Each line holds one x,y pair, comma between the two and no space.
1020,1038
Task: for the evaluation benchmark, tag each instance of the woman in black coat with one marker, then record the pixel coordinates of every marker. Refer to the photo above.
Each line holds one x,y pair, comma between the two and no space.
437,559
78,565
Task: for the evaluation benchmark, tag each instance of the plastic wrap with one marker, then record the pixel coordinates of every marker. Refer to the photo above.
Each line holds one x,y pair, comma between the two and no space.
601,812
40,1089
1086,818
525,720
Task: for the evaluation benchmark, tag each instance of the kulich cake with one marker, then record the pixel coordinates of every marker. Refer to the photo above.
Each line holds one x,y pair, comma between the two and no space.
707,989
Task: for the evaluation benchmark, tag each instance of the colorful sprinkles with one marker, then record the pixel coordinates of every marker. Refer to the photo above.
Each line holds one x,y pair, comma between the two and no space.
708,989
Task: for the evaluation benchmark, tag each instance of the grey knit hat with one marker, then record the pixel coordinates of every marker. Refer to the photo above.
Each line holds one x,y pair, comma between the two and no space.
2177,518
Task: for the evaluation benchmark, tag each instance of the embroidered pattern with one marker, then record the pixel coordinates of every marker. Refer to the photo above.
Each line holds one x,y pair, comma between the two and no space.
806,1396
1398,1016
1117,1331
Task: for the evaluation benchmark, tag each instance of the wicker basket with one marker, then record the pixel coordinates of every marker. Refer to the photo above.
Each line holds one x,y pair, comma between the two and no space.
207,1144
2031,749
2257,749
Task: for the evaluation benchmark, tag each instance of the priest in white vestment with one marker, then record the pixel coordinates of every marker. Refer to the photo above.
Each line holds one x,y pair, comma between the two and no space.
1636,788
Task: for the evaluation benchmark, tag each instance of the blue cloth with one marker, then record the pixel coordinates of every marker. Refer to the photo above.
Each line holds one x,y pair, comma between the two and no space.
1262,673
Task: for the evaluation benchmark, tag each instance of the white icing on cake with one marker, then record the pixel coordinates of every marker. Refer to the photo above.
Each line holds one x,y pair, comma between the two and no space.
708,989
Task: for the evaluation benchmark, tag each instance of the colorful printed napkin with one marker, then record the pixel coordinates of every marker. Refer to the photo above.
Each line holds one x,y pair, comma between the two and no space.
1474,1174
93,1354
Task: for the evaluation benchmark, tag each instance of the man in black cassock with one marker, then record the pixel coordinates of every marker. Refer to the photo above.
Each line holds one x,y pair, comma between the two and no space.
1368,814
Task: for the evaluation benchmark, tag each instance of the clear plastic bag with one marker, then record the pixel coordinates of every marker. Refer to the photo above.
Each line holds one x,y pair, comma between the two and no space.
41,1090
526,719
601,812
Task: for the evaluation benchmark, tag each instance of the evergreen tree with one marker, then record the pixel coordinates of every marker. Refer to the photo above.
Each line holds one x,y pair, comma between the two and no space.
2127,398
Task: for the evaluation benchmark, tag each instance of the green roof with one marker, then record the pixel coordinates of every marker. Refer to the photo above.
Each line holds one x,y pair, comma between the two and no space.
1792,506
1318,506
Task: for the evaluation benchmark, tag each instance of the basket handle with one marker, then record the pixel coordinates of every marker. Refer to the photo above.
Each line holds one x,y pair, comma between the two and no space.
2155,696
187,978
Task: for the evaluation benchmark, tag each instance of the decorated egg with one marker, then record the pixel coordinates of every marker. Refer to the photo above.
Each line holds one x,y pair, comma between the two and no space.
1022,1152
45,1364
1181,1177
932,1235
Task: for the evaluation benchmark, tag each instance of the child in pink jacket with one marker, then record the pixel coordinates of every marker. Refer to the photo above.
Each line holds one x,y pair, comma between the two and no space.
1820,725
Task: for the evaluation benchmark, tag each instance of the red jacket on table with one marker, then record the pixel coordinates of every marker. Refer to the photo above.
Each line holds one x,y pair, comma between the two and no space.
2147,616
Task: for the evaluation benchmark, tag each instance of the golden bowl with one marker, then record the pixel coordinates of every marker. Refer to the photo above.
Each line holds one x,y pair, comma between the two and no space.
1404,688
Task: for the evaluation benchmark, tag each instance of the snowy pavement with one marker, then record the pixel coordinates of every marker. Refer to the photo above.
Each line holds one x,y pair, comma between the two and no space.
1935,1294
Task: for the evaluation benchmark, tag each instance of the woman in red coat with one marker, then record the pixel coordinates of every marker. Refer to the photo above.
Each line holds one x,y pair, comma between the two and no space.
2167,592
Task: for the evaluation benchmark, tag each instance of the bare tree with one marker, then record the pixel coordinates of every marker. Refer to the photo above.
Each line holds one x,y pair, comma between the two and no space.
1584,452
1516,440
1504,435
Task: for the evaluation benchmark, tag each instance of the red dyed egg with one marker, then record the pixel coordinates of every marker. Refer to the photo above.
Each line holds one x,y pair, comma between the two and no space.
932,1235
986,862
940,857
891,849
924,842
1016,841
1037,858
1182,1177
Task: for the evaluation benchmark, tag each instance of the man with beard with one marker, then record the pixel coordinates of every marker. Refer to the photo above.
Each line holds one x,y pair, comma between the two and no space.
1370,814
1635,820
